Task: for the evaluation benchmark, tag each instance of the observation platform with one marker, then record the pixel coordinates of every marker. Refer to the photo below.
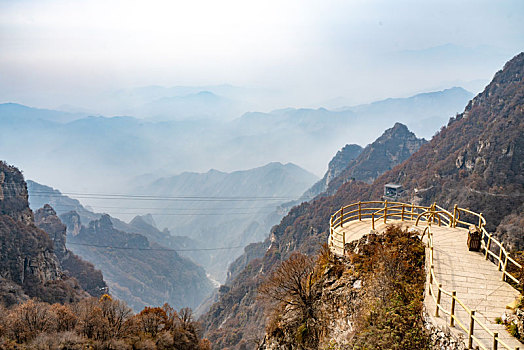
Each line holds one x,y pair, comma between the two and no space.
465,290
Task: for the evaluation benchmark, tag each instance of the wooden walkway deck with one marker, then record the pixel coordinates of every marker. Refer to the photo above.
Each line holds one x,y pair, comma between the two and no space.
477,281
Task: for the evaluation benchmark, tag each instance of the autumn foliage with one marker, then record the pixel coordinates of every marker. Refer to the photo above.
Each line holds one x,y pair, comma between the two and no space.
97,323
379,286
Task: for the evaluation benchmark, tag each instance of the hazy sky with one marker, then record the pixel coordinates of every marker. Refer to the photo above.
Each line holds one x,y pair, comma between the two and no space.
55,52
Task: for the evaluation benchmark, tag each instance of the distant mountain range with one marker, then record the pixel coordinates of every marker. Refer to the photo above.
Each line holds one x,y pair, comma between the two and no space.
214,209
68,149
220,209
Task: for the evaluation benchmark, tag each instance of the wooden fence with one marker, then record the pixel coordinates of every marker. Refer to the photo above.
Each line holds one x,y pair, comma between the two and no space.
374,211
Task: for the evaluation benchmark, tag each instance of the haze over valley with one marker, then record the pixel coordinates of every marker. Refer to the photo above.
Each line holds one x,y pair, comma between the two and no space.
161,163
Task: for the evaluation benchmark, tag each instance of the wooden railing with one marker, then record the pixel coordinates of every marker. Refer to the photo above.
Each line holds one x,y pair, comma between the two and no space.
454,320
434,214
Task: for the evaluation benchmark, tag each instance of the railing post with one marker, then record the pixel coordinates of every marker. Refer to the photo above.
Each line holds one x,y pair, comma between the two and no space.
505,265
487,246
471,329
455,212
480,221
385,210
372,221
495,341
452,313
344,243
500,258
359,211
402,215
439,294
431,273
341,216
412,211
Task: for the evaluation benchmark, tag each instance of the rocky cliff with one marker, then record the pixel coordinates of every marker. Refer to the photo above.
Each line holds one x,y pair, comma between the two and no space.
393,147
477,160
29,266
90,279
337,165
138,271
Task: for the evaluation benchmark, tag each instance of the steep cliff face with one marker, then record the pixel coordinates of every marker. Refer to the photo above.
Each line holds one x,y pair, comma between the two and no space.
393,147
138,271
29,266
13,195
477,160
337,165
46,219
90,279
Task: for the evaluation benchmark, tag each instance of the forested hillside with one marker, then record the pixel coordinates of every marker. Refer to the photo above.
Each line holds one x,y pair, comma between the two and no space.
475,161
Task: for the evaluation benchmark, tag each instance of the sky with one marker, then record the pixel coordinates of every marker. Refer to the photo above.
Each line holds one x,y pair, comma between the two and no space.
309,53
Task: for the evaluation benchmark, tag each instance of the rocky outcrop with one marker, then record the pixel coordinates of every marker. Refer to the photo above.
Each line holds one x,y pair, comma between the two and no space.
13,195
337,165
46,219
90,279
393,147
29,266
72,221
138,271
442,339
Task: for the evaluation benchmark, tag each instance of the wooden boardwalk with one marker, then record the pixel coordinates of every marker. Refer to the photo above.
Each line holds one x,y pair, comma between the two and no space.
477,281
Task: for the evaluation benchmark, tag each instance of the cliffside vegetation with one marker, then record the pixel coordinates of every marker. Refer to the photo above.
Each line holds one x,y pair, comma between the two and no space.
373,299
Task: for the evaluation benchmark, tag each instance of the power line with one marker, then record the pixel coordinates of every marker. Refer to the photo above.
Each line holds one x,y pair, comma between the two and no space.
154,249
57,193
163,208
191,214
175,199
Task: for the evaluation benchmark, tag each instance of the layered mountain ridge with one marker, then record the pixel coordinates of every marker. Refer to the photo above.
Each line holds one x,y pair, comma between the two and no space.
138,271
476,161
117,149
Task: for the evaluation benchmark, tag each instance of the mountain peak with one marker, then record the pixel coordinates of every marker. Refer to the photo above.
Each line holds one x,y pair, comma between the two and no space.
398,130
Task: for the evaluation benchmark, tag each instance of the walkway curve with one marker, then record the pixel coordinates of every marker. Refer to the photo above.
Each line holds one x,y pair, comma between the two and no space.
476,283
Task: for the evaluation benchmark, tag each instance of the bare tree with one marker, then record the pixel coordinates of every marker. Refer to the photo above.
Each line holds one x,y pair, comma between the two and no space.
116,312
31,318
291,284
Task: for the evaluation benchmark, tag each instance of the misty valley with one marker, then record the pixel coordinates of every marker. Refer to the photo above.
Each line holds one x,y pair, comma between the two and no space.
261,175
131,170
